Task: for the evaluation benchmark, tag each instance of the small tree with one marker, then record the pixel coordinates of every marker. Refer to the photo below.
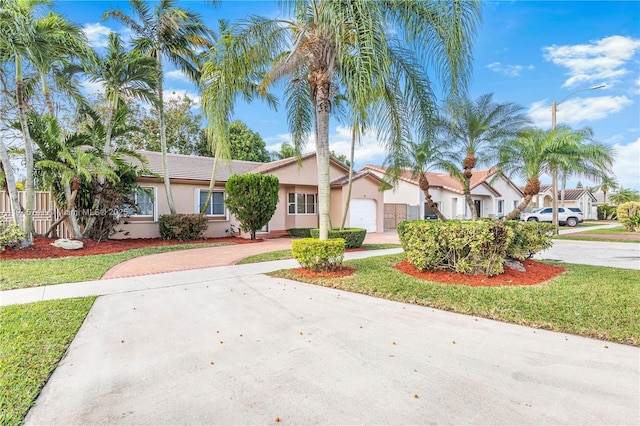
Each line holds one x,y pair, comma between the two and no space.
252,199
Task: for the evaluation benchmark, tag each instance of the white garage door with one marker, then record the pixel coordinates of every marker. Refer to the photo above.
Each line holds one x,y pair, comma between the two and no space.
362,214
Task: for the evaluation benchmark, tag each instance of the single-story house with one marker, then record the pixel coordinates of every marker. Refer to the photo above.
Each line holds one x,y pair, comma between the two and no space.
494,195
298,200
573,197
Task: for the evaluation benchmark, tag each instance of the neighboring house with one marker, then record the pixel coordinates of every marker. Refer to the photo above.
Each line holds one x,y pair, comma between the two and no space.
298,199
573,197
494,195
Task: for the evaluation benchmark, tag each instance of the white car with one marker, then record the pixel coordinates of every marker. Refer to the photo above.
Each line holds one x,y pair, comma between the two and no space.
566,216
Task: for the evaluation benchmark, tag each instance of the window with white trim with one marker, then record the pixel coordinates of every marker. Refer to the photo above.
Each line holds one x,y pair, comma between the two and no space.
500,206
216,203
516,203
299,204
144,205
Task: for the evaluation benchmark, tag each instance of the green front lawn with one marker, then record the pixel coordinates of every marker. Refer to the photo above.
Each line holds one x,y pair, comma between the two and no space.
618,230
591,301
33,339
38,272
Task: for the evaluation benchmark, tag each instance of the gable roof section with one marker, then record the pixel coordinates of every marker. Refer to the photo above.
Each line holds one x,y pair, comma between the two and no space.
358,175
446,181
286,162
192,167
570,194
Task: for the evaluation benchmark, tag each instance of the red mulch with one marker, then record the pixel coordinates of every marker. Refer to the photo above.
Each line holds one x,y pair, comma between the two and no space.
536,273
42,247
344,271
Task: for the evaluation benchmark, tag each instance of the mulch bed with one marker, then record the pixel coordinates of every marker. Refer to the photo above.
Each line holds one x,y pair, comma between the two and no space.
344,271
536,273
42,247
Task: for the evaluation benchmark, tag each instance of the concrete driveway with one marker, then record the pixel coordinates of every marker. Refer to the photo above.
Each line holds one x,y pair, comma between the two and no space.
617,255
250,349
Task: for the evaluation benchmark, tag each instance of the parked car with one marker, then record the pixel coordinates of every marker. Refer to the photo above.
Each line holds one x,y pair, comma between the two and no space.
566,216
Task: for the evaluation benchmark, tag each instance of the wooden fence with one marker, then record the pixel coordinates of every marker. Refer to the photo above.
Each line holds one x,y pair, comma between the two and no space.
44,214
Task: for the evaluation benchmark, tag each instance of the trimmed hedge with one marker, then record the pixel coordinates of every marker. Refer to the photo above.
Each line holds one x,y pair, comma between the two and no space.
318,255
529,238
353,237
629,215
182,227
468,247
299,232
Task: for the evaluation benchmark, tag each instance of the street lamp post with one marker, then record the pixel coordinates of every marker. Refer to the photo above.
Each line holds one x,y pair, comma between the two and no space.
554,171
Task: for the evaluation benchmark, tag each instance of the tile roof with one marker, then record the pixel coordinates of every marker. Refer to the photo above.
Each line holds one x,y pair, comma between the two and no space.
356,175
570,194
191,167
443,180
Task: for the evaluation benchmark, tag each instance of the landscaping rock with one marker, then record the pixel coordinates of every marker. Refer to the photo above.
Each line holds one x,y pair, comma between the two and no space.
68,244
514,264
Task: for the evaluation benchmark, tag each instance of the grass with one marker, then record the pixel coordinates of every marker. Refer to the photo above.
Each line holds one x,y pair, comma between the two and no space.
608,235
33,339
38,272
591,301
286,254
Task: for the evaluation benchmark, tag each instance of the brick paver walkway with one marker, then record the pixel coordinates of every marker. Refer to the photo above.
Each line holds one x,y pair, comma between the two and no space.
213,256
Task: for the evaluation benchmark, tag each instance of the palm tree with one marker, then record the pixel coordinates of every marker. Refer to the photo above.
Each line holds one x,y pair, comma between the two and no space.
478,127
172,32
125,75
534,152
607,183
20,40
346,47
625,195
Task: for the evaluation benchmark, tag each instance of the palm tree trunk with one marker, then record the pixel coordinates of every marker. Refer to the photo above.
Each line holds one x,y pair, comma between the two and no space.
101,177
29,187
350,185
16,211
468,164
163,140
323,110
531,189
564,187
212,182
423,182
71,195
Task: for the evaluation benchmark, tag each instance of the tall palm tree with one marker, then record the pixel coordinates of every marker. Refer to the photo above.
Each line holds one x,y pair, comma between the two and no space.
346,47
477,127
20,40
166,31
534,152
607,183
420,158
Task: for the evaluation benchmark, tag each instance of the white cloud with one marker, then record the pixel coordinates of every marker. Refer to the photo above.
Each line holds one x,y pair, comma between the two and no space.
627,164
509,70
97,34
368,150
600,60
179,94
92,88
577,110
177,75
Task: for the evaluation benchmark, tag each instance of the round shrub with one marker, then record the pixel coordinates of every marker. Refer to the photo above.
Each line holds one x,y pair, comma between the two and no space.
318,255
182,227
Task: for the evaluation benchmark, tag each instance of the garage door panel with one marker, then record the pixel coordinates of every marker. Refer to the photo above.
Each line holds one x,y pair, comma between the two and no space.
362,214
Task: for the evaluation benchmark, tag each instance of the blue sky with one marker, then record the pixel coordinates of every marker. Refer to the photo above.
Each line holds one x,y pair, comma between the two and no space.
528,52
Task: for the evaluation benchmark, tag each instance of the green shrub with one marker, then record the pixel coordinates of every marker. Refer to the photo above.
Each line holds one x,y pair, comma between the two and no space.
299,232
11,236
353,237
318,255
629,215
252,199
468,247
529,238
606,212
182,227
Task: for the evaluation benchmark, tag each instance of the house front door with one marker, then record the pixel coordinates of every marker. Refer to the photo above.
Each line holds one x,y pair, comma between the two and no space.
477,204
